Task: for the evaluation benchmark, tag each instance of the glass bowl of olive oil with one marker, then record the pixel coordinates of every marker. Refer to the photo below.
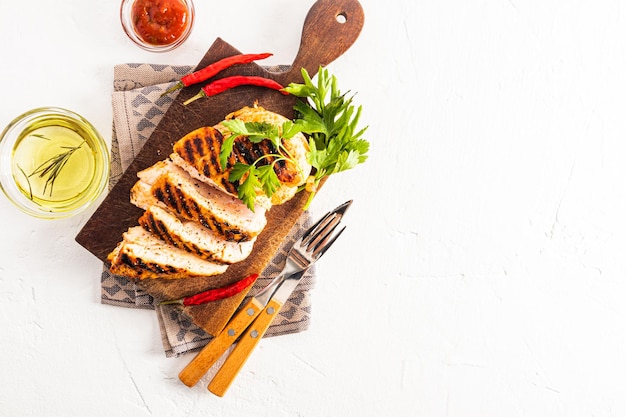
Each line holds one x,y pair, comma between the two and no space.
53,163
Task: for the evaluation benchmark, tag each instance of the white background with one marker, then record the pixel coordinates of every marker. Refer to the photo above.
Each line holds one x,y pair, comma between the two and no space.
482,272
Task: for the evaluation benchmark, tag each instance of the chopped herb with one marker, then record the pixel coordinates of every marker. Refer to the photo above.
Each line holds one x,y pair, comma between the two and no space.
256,176
40,136
30,189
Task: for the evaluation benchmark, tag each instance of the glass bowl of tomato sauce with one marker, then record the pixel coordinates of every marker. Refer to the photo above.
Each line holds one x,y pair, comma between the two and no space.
157,25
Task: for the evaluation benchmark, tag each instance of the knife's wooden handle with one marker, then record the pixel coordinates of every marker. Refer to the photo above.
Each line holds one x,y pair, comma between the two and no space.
203,361
238,357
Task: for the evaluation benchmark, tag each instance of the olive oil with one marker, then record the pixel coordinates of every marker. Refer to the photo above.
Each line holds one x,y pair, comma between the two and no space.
53,165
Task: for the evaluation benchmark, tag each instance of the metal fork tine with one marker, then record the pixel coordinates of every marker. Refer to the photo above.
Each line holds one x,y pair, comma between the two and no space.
319,235
338,211
314,231
322,249
307,233
321,238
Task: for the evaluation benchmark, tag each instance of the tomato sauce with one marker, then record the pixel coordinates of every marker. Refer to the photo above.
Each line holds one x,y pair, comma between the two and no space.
160,22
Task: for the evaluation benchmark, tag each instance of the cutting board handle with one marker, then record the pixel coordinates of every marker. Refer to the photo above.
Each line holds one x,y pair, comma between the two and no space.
330,28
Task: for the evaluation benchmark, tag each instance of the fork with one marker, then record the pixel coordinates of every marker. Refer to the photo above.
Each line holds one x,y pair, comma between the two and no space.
249,325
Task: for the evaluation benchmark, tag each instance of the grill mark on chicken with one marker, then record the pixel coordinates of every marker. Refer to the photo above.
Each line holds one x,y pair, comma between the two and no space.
158,228
289,173
190,208
209,200
142,267
172,196
172,231
207,221
156,268
285,171
223,228
143,255
206,170
247,152
230,187
201,149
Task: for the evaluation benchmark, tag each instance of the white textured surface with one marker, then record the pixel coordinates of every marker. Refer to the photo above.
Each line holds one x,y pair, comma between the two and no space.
483,270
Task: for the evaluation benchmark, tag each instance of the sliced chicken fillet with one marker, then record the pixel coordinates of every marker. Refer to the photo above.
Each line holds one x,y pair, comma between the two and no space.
194,200
144,256
198,153
193,237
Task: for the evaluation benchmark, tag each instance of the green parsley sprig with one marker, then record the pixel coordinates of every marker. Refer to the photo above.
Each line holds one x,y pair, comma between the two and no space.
325,115
256,176
331,121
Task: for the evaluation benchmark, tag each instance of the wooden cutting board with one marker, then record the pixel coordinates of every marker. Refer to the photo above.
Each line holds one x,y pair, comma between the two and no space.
330,28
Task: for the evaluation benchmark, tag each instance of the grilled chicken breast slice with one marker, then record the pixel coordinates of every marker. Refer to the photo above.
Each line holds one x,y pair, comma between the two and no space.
170,186
200,149
297,147
142,255
193,237
198,153
261,200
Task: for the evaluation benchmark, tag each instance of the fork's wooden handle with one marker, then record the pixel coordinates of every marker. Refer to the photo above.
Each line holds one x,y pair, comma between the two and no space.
203,361
240,354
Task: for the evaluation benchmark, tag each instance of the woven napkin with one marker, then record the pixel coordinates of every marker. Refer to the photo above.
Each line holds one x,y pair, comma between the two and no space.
137,109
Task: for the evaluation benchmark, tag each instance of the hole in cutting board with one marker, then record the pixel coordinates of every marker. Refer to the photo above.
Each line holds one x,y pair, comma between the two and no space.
341,18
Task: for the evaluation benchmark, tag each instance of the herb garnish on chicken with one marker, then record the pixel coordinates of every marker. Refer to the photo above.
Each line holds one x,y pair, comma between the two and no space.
325,115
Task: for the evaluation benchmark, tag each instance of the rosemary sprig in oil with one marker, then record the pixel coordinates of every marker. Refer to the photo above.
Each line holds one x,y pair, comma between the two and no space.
51,168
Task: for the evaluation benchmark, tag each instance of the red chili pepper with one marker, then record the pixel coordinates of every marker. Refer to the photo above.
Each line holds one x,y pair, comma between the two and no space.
227,83
215,68
215,294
